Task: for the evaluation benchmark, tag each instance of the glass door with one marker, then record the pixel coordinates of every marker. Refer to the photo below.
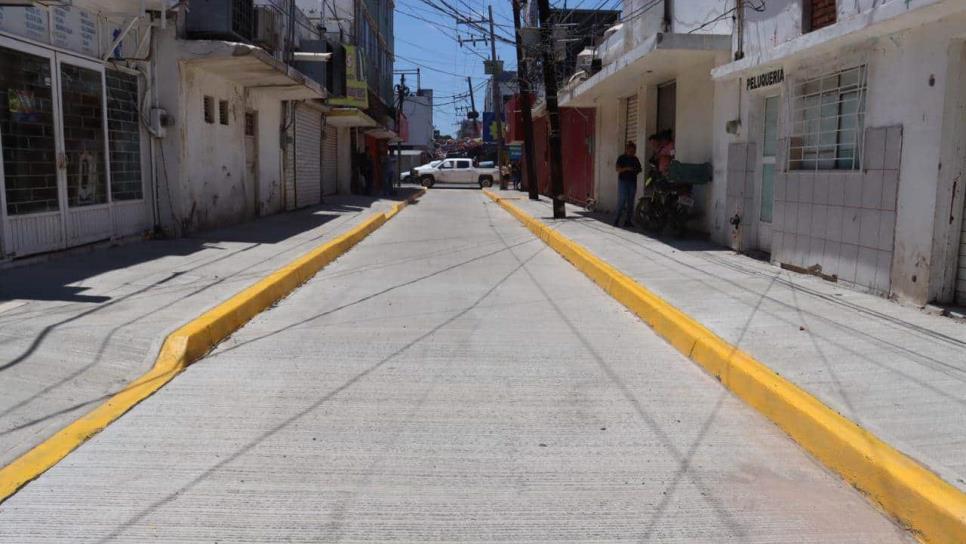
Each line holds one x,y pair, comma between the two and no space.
84,166
31,204
766,189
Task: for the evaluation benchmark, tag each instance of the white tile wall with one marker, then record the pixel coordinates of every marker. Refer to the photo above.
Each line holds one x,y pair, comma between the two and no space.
833,227
847,257
850,225
819,220
887,231
874,149
843,221
853,190
869,229
820,194
836,191
890,189
865,266
893,148
872,189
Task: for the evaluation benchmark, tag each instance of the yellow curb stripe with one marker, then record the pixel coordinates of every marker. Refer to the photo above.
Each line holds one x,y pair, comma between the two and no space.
185,346
932,508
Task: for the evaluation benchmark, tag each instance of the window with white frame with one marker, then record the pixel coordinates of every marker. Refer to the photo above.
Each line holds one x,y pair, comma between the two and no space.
827,121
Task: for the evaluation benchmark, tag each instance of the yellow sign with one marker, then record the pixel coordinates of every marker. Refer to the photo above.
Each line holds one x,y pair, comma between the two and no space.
356,90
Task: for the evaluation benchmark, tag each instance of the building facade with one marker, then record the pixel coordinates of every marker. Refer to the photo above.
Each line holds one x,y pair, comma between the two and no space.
117,119
633,78
839,143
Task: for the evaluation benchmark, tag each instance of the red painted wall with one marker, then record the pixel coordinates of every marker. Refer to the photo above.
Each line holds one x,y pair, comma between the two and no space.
577,132
577,142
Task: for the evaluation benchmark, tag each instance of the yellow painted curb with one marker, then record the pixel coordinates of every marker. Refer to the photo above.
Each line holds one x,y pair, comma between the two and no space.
185,346
931,507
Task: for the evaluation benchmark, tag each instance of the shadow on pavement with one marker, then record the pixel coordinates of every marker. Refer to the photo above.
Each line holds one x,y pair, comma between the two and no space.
54,279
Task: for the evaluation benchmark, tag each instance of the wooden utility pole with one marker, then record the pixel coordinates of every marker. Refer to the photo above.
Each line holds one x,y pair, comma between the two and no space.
523,80
473,114
553,111
497,102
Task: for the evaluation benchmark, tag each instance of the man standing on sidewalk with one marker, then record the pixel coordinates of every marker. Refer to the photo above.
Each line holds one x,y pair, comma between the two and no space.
628,167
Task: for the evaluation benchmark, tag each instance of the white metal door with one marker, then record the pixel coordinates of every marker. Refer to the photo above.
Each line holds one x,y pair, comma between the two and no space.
330,161
32,208
765,193
84,164
308,160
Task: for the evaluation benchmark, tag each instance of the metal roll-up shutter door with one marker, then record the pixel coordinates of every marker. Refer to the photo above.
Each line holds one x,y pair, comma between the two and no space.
308,160
961,276
630,119
289,186
330,161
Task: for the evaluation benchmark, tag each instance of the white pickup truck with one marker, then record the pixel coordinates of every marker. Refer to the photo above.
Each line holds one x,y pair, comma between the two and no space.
454,171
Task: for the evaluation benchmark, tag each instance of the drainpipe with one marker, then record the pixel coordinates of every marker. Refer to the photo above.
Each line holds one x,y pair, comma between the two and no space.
667,16
740,29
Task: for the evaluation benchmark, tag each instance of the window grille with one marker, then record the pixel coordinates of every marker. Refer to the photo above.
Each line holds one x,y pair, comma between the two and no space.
209,105
827,122
223,112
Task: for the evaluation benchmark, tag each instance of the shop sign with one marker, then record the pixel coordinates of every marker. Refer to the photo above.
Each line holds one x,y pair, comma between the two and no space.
766,79
69,28
356,89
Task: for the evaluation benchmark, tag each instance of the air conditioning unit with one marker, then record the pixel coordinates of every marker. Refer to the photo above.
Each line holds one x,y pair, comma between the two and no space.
584,58
232,20
267,33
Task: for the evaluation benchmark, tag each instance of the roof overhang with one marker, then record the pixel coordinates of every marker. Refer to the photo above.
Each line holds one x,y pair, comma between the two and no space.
658,59
382,134
349,118
251,67
883,20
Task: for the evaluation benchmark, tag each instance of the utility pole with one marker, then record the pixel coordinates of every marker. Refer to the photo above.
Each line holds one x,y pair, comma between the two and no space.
523,64
401,91
497,103
553,111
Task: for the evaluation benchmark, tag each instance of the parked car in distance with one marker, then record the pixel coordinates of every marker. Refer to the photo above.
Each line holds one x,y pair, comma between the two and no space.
412,177
454,171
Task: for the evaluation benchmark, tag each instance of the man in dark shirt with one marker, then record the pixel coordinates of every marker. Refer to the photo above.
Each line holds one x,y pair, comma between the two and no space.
628,167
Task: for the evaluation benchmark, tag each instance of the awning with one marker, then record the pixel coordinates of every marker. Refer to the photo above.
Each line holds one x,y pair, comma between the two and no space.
660,58
349,117
251,67
382,134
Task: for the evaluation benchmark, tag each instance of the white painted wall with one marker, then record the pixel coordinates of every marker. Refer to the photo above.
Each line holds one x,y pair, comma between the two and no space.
419,112
609,142
212,174
270,112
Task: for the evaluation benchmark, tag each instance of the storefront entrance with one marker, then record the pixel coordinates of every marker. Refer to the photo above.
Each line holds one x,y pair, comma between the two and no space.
55,172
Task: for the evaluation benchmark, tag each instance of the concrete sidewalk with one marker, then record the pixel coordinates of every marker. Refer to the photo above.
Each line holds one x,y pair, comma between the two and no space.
895,370
77,328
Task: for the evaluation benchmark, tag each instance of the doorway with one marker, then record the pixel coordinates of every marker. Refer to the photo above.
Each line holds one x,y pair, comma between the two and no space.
765,195
53,131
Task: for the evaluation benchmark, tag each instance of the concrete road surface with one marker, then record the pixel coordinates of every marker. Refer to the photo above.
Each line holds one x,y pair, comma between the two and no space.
450,379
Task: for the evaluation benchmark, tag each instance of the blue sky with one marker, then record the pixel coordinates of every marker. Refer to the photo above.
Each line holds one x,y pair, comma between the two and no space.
433,45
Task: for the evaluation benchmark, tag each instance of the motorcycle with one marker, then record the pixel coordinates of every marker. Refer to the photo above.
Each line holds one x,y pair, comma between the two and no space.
668,201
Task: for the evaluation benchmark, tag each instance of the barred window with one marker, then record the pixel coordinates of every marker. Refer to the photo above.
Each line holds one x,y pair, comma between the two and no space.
827,121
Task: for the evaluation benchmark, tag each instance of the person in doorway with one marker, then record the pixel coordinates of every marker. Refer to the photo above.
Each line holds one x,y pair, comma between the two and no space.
365,170
628,167
662,146
389,176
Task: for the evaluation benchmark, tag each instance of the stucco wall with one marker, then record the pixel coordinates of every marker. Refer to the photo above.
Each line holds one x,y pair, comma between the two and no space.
212,174
269,183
